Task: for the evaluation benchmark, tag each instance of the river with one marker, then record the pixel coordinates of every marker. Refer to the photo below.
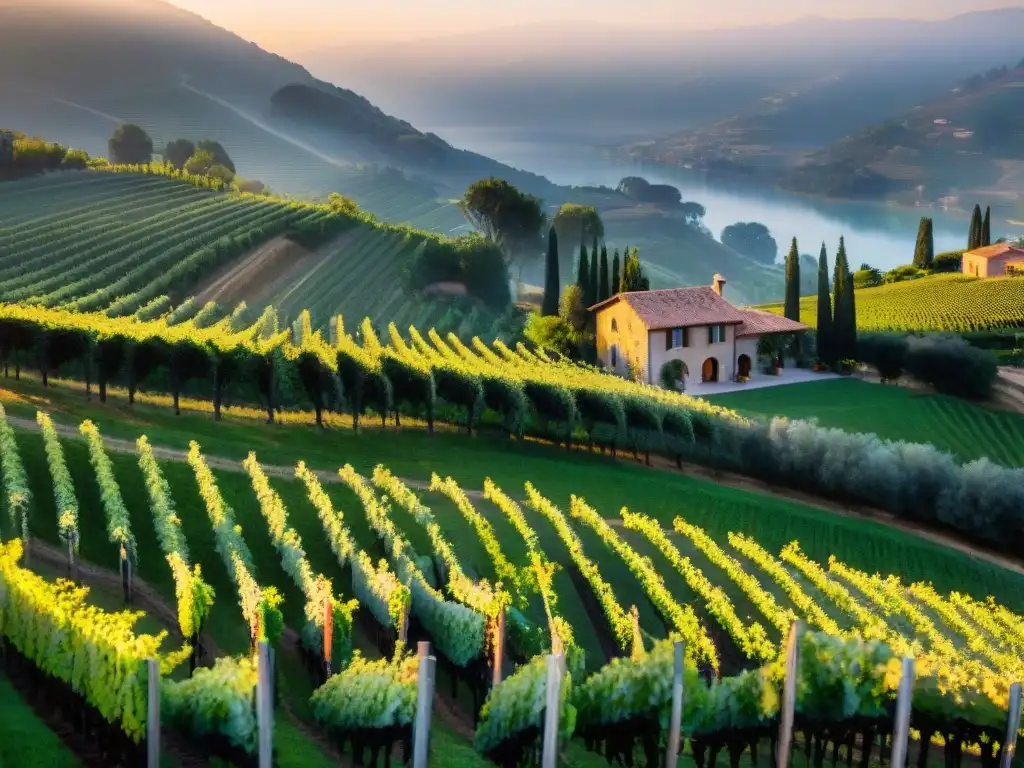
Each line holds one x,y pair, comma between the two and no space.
877,234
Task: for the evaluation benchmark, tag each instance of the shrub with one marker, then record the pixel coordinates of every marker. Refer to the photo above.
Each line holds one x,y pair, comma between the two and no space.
471,260
948,363
884,351
671,375
950,261
951,365
906,272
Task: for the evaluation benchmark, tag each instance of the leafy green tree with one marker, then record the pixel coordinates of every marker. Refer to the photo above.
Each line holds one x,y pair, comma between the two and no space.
603,289
177,152
552,288
615,273
924,250
976,233
986,227
343,204
826,352
633,278
130,145
200,163
511,219
220,155
752,239
583,272
594,277
221,172
792,306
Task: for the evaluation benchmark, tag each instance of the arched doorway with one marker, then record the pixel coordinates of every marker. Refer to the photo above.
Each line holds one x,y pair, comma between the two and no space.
709,372
743,365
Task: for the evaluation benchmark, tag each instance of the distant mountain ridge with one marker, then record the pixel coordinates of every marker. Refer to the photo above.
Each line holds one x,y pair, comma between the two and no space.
969,141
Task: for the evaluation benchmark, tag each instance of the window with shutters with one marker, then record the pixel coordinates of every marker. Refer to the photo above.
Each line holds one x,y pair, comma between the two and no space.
716,334
676,337
615,356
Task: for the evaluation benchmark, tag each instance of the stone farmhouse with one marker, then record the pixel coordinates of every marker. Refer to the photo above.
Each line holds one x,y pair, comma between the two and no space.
715,341
999,260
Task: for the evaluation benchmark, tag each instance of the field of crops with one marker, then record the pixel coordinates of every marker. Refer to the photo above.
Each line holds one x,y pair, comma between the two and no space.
950,302
455,557
116,242
967,430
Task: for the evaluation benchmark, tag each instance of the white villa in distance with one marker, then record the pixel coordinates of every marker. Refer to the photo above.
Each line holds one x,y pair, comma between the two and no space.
716,341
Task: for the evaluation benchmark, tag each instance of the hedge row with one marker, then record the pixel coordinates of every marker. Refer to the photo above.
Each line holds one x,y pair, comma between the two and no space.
949,363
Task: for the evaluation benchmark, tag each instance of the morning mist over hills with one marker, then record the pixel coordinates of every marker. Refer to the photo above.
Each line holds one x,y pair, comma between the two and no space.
403,112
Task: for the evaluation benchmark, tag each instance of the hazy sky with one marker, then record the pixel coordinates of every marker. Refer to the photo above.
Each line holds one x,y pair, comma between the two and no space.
292,26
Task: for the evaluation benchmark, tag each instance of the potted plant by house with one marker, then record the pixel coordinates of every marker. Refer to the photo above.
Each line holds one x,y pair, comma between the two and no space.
770,349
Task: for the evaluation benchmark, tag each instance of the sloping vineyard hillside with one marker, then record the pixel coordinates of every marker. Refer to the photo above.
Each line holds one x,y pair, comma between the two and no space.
115,242
142,243
950,302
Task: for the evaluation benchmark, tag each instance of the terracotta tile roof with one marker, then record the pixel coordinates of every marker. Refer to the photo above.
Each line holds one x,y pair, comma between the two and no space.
678,307
756,322
996,251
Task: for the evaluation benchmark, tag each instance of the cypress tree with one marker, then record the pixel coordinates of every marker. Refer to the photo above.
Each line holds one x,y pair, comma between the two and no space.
633,278
986,227
594,282
975,234
842,285
583,273
825,351
851,318
792,309
603,291
615,273
552,287
924,250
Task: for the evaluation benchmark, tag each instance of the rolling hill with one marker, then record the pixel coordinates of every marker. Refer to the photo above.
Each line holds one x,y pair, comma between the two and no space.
969,142
70,73
826,132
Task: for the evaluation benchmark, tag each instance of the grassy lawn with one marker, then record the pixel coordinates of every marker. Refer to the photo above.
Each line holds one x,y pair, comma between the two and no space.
25,740
967,430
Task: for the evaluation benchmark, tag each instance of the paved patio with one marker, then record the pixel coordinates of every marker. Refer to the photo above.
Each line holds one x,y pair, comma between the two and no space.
788,376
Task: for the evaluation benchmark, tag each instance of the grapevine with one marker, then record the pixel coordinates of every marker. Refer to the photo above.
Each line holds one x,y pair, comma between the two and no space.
17,495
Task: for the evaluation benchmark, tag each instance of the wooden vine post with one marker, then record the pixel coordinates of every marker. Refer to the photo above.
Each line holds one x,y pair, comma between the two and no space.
153,714
265,706
675,723
1012,727
125,567
552,710
901,725
788,706
328,638
403,628
424,705
499,645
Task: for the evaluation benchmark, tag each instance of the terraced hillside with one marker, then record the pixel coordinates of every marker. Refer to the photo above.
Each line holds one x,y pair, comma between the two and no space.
949,302
116,242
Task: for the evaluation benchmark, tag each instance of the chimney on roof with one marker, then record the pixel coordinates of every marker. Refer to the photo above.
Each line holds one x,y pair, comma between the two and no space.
718,283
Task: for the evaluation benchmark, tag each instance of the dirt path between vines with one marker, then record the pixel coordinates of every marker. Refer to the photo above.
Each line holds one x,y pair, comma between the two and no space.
720,477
